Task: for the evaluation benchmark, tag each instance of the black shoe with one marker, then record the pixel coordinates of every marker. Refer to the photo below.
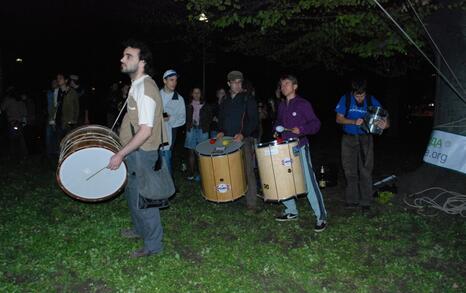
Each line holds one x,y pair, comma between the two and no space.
286,217
321,227
351,205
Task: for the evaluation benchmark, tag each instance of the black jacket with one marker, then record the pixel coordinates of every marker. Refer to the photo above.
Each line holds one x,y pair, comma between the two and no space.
205,117
239,115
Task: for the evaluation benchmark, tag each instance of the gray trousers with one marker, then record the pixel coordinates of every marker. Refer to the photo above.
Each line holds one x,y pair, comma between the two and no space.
146,222
357,156
251,195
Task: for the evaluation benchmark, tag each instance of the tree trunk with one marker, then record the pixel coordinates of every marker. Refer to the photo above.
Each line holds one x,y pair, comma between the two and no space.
1,74
448,29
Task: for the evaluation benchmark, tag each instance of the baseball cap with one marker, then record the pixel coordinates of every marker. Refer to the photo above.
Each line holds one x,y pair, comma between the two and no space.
74,77
233,75
169,73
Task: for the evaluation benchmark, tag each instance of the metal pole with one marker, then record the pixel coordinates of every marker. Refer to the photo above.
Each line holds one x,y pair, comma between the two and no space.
203,67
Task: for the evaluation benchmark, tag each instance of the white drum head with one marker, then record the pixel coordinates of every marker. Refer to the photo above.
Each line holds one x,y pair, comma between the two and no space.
75,170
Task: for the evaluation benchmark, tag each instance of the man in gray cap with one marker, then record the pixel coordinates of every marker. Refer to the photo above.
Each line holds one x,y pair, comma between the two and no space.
238,118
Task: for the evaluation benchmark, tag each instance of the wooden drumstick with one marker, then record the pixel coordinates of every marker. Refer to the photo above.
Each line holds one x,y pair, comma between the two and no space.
95,173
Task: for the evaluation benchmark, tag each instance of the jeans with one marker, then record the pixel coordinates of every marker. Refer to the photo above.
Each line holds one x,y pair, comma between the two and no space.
146,222
167,157
51,144
314,196
194,136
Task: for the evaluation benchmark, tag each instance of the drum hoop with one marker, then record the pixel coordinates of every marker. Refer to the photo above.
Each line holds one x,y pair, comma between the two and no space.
66,148
219,155
83,137
92,126
275,143
82,199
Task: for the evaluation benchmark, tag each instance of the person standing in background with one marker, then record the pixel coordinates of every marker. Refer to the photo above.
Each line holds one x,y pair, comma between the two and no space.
174,113
220,95
198,118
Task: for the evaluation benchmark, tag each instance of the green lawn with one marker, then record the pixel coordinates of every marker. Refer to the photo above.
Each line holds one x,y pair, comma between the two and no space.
51,243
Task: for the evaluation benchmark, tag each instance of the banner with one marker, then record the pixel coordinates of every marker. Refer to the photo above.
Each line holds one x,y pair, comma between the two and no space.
447,150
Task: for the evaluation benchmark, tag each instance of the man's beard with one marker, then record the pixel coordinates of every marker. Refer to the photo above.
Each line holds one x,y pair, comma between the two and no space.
129,69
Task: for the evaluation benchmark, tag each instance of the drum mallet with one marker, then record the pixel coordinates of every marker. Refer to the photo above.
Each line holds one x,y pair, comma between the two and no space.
280,129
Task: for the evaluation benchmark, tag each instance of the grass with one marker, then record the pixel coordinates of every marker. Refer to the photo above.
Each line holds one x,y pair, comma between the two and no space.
51,243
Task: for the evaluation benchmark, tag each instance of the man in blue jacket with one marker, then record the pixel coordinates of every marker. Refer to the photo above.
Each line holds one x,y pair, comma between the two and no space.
357,147
297,114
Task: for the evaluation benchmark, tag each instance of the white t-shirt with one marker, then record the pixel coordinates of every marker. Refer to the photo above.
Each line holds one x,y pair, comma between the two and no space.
145,104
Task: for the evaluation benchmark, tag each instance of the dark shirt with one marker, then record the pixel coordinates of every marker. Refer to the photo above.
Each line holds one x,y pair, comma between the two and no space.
205,117
238,115
215,109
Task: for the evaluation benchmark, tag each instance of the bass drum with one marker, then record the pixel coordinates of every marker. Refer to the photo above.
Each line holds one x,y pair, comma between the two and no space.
84,154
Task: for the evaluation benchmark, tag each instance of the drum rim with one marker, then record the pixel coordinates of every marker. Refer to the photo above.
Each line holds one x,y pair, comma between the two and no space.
226,201
275,142
223,154
83,199
219,155
111,132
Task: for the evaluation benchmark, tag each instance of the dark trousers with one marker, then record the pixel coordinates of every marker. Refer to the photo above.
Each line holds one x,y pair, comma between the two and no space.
251,195
357,156
146,222
18,149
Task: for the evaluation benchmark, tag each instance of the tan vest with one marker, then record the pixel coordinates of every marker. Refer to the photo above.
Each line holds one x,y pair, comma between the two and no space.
131,118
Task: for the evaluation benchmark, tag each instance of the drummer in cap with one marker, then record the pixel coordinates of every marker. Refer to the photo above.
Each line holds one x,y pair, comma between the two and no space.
238,118
296,115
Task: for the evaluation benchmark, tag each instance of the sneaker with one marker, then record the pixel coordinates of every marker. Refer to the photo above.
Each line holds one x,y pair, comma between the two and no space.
286,217
320,227
190,177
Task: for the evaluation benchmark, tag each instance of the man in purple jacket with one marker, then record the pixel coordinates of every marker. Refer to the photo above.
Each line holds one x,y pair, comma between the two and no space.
297,115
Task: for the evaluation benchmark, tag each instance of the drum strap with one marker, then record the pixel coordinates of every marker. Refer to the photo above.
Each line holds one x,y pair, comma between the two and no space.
348,103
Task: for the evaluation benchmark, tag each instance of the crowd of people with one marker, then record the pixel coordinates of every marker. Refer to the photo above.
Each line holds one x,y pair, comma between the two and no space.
155,121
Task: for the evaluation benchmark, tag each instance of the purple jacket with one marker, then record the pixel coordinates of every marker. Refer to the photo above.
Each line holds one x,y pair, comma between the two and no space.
298,113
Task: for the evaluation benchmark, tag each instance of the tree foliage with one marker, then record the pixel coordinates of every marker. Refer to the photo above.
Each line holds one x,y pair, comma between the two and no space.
306,33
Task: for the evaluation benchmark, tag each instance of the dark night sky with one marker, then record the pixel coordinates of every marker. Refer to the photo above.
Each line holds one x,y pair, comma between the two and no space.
84,37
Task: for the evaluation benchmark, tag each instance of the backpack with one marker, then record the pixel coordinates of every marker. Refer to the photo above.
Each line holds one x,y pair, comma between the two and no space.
348,103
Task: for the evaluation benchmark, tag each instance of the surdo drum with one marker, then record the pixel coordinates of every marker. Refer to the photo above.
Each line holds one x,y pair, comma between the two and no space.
84,154
221,166
280,170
